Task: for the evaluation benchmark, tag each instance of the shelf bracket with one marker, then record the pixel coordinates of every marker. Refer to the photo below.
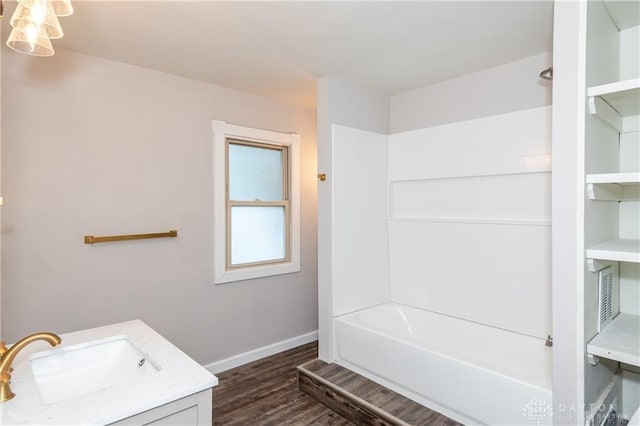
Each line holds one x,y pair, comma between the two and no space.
605,112
605,191
595,265
593,359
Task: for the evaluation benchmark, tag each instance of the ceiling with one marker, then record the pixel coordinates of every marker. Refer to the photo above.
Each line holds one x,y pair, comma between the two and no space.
279,49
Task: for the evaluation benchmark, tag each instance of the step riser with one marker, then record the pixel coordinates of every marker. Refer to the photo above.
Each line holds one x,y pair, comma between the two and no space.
342,403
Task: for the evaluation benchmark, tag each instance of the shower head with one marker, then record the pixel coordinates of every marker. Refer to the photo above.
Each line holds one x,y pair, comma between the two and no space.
547,74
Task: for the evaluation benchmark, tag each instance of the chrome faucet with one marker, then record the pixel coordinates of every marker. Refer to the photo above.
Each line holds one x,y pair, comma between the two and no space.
7,356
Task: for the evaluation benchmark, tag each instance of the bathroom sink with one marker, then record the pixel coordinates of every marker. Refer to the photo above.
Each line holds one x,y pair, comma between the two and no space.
68,372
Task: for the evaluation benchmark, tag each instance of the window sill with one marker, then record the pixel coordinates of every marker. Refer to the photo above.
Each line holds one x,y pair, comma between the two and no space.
252,272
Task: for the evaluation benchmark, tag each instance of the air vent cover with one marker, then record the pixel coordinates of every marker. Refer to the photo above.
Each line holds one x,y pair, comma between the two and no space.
607,295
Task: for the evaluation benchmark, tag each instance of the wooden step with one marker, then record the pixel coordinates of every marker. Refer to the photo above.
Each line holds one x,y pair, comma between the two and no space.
361,400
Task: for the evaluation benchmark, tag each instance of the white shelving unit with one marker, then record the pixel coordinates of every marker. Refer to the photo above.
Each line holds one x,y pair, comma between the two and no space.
619,341
618,105
614,103
611,236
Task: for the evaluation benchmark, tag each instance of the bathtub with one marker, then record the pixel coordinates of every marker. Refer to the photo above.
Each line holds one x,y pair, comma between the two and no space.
473,373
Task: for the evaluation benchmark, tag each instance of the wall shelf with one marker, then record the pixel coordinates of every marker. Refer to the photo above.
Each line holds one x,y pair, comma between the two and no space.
618,250
629,178
619,341
616,103
614,186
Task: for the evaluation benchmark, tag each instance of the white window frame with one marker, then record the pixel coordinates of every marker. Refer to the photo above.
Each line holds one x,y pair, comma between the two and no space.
223,131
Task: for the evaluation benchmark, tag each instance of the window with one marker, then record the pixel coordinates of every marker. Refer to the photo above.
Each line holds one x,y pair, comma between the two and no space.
256,203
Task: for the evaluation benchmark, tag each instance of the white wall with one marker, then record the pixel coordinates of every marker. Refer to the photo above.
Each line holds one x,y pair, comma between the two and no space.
360,252
630,53
511,87
629,160
351,105
347,104
93,146
629,211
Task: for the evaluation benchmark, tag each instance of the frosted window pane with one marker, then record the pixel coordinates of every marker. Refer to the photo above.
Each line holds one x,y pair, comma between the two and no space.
257,234
254,173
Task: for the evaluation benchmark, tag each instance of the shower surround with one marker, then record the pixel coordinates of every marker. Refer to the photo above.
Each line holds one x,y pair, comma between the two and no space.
441,282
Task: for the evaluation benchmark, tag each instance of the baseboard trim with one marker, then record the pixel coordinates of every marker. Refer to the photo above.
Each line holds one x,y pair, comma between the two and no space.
265,351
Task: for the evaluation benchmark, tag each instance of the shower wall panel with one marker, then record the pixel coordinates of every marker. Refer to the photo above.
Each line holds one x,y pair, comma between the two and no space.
360,275
469,220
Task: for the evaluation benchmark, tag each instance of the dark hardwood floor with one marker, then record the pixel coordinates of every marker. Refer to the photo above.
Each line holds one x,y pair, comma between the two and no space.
265,392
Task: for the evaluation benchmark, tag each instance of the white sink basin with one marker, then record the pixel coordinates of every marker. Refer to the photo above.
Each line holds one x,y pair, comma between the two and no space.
69,372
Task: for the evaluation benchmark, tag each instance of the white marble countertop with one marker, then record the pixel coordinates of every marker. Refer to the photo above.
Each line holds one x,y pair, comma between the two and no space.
178,376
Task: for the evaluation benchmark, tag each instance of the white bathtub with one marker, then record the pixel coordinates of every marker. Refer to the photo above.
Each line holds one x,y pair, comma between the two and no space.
473,373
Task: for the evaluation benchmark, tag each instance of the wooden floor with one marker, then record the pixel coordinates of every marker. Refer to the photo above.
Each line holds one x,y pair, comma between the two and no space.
266,392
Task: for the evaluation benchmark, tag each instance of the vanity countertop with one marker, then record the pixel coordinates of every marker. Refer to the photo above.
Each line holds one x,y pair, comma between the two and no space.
178,376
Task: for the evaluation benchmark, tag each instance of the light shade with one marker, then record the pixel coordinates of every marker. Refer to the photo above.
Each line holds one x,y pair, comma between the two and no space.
32,42
59,7
41,15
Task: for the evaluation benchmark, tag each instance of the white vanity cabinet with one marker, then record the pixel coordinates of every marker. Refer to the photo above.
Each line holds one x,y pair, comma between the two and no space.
193,410
122,374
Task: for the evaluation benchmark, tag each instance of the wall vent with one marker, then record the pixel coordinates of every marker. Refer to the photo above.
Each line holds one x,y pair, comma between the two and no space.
607,296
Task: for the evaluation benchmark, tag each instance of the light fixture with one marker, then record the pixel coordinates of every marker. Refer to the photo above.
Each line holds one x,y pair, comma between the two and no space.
32,41
40,16
35,23
59,7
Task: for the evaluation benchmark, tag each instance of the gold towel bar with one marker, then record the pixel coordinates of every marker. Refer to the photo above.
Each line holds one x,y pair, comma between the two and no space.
90,239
